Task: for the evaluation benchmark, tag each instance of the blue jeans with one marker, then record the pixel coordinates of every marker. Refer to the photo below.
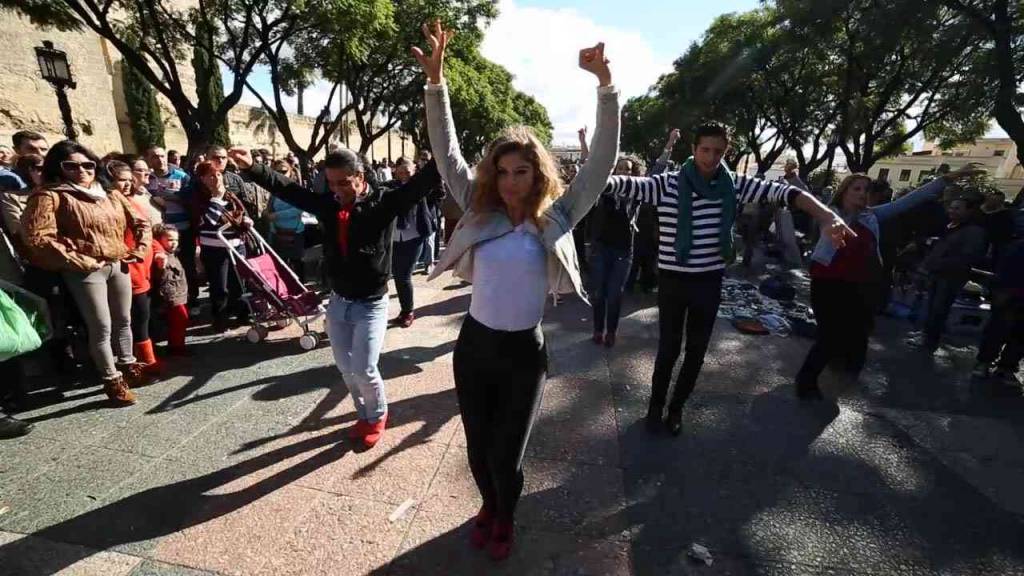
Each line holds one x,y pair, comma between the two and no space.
404,256
608,270
356,329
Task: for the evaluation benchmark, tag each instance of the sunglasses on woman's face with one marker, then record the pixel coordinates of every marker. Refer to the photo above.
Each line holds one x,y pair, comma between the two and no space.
71,166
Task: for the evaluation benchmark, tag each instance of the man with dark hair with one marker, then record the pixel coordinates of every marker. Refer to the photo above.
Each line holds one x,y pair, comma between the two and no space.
253,197
997,219
29,142
358,225
697,207
174,159
25,142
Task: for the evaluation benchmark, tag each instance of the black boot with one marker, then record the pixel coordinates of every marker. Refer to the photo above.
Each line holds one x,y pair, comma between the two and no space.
674,422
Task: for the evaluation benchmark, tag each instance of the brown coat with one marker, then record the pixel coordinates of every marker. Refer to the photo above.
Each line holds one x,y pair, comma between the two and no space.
65,229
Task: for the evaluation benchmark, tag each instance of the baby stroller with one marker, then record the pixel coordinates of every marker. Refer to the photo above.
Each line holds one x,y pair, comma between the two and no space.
273,292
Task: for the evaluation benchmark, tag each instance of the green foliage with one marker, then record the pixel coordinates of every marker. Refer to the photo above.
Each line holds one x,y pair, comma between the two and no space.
484,102
822,178
644,126
143,109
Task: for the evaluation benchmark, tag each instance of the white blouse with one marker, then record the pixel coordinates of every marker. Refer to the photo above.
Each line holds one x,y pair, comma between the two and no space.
510,280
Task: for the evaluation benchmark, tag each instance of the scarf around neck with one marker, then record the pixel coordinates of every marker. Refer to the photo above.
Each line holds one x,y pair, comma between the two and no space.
721,188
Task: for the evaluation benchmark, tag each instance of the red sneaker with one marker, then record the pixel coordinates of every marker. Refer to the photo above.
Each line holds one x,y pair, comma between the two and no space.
359,430
500,545
375,431
481,532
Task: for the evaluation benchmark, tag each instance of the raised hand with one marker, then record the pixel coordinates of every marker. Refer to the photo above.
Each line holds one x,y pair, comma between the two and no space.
673,137
582,132
437,38
241,157
592,60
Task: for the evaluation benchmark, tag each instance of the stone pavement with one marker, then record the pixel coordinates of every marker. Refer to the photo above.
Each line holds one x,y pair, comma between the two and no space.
237,463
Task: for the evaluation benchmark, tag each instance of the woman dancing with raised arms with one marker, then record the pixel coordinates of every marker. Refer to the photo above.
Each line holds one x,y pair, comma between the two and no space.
514,244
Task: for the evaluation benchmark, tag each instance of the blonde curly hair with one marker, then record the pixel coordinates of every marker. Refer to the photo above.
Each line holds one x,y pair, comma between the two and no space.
547,182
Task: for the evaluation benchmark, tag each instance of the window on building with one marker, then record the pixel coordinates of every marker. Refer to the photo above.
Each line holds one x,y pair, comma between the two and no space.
1000,153
904,175
883,174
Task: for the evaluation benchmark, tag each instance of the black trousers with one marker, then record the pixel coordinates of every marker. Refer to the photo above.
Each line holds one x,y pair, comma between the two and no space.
1003,339
499,380
225,288
686,302
140,317
404,256
845,312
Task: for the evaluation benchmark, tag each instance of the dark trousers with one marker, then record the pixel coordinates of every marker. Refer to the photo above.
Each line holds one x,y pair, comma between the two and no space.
187,255
404,256
644,267
1003,339
608,269
140,317
845,313
499,380
225,289
685,302
941,295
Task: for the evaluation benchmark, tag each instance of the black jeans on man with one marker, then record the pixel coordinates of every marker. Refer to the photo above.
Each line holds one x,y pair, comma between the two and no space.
941,295
1003,339
845,313
686,302
404,256
499,380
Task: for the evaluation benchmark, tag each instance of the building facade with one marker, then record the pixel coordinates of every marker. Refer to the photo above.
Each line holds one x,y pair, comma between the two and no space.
997,155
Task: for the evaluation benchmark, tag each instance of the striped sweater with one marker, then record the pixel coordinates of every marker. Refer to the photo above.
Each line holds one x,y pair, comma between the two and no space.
662,191
211,221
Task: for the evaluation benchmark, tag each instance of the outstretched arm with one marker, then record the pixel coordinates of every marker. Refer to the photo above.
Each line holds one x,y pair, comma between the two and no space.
444,143
278,185
584,147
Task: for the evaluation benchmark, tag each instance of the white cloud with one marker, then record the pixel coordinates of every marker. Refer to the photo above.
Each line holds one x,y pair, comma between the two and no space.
540,47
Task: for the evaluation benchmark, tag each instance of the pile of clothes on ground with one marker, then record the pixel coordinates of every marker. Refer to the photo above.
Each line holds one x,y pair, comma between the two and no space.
770,308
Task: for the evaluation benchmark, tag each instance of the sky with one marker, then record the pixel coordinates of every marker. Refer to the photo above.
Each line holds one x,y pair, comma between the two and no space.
538,42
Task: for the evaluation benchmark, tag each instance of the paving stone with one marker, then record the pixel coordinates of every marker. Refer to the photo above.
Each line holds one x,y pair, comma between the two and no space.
438,544
31,556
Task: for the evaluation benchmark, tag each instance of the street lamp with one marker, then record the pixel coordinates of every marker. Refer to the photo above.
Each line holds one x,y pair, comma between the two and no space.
53,66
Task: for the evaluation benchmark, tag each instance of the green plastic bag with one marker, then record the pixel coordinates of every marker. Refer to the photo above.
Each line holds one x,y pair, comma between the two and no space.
18,335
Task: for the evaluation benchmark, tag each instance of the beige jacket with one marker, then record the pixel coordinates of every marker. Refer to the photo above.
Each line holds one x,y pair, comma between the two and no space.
474,228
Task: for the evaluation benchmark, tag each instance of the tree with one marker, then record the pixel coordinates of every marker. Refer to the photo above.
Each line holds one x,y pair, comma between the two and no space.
143,110
999,25
385,83
644,125
898,68
346,26
210,88
153,38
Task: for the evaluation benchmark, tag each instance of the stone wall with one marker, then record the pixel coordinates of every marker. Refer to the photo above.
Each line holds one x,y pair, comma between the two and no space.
27,102
98,106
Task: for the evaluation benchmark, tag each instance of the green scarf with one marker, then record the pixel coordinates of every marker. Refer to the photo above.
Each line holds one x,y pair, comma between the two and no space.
723,188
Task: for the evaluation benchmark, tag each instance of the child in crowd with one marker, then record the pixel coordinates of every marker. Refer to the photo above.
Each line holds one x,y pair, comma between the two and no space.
171,285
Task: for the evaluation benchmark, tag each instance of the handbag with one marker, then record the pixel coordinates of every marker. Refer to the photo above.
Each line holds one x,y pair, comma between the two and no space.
18,333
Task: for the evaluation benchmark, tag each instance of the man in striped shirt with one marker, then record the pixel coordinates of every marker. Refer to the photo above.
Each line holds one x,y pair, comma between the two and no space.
697,207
